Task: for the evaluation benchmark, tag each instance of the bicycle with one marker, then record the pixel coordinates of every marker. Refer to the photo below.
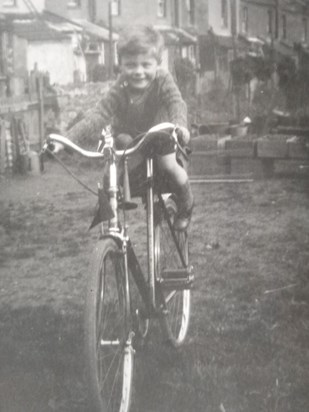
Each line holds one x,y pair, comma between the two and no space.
112,327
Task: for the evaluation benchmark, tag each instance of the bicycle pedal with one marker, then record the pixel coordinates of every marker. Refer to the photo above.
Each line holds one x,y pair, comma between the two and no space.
181,273
127,205
179,279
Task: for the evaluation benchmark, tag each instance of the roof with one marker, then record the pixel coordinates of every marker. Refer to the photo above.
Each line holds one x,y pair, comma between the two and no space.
65,25
251,39
284,48
218,40
36,30
175,35
95,30
293,6
266,3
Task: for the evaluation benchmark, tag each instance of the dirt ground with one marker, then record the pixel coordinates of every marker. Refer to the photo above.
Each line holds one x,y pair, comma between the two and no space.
247,348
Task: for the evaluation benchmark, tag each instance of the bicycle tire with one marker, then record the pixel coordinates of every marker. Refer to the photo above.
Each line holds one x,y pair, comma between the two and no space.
176,317
108,352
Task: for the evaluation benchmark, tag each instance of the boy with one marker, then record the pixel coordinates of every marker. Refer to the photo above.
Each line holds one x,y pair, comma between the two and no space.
143,96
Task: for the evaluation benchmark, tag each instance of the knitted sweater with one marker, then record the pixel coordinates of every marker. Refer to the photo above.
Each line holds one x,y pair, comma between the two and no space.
161,102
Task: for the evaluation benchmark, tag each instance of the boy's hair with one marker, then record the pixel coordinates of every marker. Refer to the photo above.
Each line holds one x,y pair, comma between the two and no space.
140,39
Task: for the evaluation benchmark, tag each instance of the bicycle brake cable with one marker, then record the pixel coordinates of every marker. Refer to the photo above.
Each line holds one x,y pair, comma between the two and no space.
71,173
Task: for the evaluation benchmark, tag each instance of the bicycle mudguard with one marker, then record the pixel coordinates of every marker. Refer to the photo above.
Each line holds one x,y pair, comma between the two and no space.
103,211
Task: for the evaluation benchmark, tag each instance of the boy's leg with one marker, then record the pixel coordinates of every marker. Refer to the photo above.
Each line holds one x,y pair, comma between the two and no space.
123,141
182,188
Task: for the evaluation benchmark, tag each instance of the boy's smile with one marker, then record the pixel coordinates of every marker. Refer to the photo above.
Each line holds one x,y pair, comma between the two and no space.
139,70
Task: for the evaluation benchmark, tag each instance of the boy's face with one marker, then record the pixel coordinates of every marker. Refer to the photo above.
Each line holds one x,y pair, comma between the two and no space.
139,70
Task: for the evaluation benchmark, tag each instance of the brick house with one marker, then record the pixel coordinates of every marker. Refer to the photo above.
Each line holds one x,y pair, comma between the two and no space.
175,19
217,28
87,23
57,28
277,22
275,19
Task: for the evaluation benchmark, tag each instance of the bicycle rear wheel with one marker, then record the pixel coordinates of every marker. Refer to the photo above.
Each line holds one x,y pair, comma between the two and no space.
177,303
108,350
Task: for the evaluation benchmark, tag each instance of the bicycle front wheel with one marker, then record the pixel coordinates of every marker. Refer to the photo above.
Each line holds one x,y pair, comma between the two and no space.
108,349
177,302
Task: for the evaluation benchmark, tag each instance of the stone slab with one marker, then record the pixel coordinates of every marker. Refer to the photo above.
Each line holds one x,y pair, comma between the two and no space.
204,143
203,165
240,148
272,146
297,148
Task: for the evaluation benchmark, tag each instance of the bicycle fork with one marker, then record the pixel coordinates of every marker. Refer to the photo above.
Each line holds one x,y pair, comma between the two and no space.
150,232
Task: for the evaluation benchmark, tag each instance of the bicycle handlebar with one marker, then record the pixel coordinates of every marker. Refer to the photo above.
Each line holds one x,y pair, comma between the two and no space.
160,128
57,138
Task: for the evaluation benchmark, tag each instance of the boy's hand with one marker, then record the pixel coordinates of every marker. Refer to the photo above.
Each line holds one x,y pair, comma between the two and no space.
53,147
183,135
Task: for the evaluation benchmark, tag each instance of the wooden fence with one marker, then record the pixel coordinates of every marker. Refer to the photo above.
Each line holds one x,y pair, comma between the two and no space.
22,126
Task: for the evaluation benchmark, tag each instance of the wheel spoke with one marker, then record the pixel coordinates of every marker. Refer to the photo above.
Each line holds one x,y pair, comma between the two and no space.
176,316
109,375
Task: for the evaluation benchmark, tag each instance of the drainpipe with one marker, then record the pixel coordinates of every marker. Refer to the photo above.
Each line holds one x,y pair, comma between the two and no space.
276,19
111,46
233,11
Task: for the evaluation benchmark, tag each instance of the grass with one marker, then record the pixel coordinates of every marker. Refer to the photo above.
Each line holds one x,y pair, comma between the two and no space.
247,348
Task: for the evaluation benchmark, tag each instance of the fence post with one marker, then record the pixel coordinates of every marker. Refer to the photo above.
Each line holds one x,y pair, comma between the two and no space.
41,109
2,146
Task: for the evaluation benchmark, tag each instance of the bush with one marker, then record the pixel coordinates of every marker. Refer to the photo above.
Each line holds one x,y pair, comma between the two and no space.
99,73
185,75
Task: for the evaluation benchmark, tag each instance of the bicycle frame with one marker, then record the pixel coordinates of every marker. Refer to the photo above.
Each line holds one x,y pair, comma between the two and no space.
146,289
149,289
114,324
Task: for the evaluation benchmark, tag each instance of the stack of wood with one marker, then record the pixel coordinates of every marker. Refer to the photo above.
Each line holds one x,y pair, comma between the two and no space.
14,146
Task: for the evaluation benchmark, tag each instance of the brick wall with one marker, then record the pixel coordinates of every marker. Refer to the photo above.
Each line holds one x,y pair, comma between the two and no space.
20,57
201,16
259,20
134,11
57,6
21,6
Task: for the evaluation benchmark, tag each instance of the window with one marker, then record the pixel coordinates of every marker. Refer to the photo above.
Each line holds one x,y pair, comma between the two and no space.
224,13
305,30
161,10
74,3
10,3
284,26
115,7
269,21
190,4
245,20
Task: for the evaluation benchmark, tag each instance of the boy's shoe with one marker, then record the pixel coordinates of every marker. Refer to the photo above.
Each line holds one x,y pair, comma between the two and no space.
185,202
183,219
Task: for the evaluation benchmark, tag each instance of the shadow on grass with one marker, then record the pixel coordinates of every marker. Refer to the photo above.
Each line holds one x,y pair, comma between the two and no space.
41,360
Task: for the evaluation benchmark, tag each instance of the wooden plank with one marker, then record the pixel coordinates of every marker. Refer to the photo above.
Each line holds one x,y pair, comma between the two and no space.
13,106
293,130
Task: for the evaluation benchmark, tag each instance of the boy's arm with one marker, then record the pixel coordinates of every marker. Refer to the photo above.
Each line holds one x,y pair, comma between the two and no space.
175,105
177,108
91,125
